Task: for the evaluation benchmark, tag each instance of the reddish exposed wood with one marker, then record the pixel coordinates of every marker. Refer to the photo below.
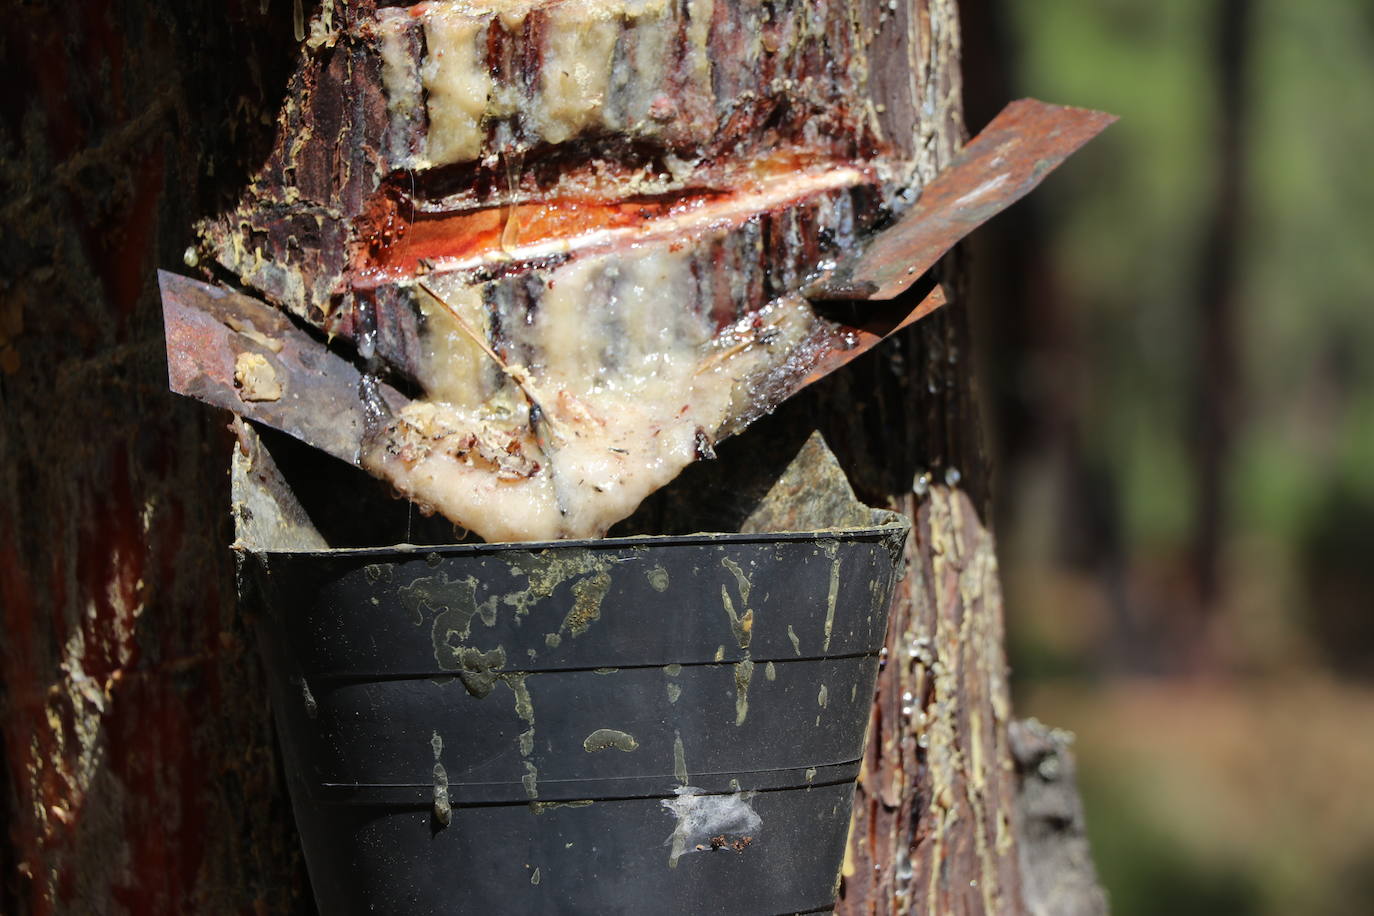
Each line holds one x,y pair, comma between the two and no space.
480,233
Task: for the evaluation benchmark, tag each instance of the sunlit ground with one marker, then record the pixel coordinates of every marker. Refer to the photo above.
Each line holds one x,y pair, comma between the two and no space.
1226,797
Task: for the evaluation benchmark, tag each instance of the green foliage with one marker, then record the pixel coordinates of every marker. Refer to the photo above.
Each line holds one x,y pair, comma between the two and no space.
1129,214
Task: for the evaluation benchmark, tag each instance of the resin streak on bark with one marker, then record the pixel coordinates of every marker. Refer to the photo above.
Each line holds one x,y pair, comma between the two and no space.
940,727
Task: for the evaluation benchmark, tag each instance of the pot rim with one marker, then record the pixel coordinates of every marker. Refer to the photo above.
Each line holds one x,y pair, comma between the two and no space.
886,522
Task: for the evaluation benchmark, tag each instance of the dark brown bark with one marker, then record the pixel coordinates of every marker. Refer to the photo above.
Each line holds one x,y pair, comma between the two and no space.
139,770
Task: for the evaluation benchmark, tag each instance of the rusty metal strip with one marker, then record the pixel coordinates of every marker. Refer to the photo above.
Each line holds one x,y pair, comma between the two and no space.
314,394
1013,154
212,331
879,324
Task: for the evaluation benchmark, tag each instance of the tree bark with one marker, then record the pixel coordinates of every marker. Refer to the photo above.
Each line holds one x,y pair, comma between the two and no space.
140,771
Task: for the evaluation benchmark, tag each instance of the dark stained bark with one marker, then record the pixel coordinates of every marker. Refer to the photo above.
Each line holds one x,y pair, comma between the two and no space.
139,769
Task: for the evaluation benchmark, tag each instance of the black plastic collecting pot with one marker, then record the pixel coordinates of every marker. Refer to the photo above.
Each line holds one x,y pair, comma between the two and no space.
653,724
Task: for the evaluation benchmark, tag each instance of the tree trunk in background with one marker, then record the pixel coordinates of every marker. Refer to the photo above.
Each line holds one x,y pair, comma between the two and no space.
140,770
1218,282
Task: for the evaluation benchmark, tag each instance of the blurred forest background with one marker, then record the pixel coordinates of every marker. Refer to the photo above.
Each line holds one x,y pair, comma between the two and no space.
1174,339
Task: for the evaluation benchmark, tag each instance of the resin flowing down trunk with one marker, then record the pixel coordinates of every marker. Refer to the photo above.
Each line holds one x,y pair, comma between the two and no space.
578,230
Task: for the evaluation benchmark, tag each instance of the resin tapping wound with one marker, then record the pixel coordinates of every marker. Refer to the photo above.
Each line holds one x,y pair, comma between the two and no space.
578,242
584,244
588,224
576,350
607,388
581,338
537,461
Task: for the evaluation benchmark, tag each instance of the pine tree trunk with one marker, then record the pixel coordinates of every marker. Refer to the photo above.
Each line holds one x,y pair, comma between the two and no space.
138,762
139,765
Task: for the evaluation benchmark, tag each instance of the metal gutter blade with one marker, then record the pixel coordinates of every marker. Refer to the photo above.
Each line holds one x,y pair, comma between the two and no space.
235,352
1024,143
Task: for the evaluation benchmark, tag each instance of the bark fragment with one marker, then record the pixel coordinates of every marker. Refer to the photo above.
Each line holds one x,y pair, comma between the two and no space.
1056,862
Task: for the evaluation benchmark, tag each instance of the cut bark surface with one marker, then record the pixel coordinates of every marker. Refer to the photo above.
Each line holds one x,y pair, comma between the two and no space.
577,229
769,124
633,322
